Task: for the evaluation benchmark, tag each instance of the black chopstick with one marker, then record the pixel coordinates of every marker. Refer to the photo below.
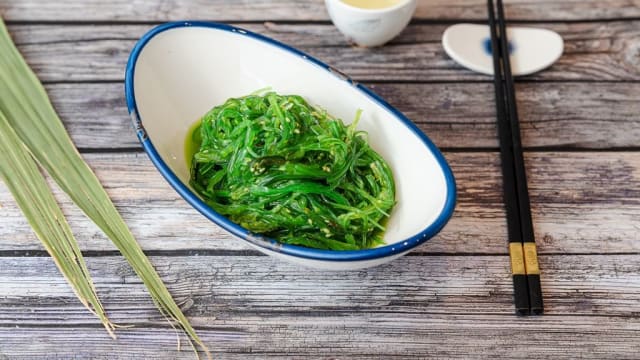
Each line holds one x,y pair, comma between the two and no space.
528,241
522,247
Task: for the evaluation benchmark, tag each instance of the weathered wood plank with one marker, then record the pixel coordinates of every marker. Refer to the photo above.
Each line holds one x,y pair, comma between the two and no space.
444,306
390,336
87,53
582,203
161,220
574,115
580,115
95,115
259,10
224,289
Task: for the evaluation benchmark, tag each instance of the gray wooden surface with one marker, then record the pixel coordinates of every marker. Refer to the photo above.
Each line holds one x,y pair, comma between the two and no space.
450,298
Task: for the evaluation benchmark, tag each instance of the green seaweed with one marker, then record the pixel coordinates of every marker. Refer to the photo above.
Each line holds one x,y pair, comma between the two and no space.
280,167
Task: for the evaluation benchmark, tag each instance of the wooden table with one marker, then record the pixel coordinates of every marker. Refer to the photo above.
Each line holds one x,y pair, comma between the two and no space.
451,298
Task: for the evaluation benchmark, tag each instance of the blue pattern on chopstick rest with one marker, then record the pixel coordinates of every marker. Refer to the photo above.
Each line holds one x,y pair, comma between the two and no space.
487,47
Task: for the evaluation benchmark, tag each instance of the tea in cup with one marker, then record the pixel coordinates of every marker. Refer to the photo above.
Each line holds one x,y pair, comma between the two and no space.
370,23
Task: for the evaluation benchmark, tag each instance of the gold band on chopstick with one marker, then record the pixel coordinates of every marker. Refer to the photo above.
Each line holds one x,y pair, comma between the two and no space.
531,258
517,258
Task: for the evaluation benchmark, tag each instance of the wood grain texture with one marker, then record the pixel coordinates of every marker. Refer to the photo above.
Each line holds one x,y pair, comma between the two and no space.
571,115
222,289
453,307
357,337
450,298
582,203
260,10
161,220
593,51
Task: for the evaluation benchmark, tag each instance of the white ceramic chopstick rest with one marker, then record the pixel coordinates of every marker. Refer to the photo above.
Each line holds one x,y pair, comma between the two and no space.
530,49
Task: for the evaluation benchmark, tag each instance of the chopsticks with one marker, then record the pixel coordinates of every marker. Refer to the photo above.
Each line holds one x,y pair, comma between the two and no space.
522,246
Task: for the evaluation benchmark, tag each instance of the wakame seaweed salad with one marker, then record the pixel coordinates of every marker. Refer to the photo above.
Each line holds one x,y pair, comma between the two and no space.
282,168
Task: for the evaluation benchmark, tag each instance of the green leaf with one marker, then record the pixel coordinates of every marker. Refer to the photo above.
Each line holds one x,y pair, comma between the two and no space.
30,113
20,173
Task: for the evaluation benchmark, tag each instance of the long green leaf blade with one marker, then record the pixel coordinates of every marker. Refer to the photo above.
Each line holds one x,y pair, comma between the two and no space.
20,173
30,113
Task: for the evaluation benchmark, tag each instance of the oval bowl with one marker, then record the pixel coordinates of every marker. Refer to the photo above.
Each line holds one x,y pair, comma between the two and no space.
178,71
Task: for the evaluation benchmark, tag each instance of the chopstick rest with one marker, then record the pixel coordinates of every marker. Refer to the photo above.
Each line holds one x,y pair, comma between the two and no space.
530,49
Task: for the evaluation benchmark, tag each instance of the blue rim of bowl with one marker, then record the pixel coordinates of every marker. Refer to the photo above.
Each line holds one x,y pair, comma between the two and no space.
255,239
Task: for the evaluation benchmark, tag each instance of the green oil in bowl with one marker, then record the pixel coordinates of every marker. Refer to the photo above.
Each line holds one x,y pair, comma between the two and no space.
192,142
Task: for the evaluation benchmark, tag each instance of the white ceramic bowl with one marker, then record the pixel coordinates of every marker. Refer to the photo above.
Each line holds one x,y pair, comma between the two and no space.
370,27
178,71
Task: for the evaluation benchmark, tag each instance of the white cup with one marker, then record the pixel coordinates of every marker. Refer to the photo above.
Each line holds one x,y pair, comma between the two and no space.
370,27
